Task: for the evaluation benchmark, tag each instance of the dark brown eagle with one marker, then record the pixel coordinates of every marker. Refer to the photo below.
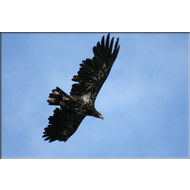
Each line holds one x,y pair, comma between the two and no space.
74,108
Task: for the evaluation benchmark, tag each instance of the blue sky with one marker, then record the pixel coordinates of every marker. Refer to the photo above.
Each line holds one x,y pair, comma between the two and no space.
144,101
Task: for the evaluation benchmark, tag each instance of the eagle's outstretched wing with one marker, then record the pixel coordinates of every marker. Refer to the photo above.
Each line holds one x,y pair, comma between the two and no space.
93,72
62,124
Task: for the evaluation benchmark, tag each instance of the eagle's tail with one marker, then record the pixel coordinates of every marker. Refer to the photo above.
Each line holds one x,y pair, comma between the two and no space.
58,97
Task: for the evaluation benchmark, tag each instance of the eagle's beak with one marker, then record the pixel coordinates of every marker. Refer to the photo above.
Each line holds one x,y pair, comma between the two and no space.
100,116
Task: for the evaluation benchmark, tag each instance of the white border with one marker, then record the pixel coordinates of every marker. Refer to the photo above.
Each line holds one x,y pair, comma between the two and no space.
98,16
95,173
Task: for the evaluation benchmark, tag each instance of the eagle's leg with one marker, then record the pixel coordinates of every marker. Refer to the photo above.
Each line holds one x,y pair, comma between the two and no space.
58,97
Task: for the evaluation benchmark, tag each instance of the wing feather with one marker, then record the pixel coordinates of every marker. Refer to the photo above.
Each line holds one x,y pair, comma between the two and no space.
62,124
107,41
93,72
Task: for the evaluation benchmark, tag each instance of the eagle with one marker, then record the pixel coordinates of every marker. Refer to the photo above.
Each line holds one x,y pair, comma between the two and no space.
81,101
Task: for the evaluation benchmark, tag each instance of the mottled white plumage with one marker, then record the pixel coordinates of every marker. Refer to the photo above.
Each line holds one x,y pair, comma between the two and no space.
86,97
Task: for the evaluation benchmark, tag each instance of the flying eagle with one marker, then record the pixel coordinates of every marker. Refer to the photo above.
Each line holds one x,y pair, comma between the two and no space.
80,103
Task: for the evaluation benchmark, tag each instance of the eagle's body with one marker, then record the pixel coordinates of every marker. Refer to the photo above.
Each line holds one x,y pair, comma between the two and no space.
80,103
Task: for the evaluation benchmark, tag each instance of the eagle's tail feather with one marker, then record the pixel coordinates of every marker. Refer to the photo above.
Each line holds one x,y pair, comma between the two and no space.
58,97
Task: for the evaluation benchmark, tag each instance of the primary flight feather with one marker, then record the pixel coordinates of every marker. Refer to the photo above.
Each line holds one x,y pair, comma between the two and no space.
80,103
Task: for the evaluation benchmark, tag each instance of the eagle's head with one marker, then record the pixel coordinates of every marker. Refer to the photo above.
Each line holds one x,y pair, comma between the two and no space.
95,113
